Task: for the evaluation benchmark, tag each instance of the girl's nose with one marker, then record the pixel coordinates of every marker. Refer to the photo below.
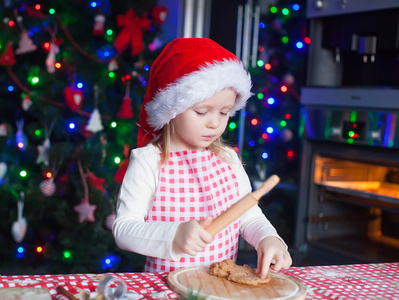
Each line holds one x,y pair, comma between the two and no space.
213,122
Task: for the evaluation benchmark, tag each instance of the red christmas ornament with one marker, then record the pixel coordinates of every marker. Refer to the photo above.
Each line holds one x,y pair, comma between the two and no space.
125,111
8,58
160,14
132,32
73,98
122,166
99,21
96,182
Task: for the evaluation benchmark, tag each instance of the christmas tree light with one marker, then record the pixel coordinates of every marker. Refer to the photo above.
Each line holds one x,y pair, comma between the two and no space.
67,254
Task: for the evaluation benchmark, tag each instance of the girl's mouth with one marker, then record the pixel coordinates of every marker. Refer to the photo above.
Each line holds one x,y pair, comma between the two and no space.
208,137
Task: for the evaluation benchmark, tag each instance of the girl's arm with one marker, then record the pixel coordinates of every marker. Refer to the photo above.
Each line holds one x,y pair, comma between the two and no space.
256,229
130,230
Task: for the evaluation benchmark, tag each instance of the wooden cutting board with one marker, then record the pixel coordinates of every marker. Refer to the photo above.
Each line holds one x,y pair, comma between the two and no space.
197,281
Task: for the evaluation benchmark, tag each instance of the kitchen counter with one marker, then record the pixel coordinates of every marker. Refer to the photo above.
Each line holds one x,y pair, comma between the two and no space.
359,281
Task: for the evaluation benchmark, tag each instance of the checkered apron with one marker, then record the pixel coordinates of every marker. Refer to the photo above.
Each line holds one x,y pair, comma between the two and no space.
194,185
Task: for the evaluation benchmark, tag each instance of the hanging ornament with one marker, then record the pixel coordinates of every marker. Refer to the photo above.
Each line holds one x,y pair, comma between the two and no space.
109,221
85,209
98,28
3,169
113,65
94,124
43,150
53,50
26,103
26,44
3,129
160,14
7,57
120,173
50,60
73,97
96,181
132,32
48,187
19,227
20,137
125,111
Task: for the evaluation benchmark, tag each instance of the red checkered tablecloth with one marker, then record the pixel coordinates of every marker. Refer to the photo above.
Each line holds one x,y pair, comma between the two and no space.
364,281
346,282
148,285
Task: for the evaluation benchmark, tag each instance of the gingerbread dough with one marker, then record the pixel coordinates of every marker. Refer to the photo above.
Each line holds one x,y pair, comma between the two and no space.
240,274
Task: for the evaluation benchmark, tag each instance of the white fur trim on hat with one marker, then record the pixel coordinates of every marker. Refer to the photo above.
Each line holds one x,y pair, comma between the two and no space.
197,86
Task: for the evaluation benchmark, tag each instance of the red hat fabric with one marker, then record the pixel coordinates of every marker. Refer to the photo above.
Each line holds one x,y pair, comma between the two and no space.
188,71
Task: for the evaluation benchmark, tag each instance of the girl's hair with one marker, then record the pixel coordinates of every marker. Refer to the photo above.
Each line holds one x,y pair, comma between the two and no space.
162,142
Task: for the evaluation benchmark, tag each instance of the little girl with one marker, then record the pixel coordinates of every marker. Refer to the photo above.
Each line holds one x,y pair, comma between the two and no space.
182,176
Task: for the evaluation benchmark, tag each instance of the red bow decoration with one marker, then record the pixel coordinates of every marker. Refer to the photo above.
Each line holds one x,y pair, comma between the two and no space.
132,32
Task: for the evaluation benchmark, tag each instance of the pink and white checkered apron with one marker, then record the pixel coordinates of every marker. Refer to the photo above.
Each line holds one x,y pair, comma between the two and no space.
194,185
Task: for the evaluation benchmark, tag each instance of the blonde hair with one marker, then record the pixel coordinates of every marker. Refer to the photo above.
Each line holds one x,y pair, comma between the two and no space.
162,142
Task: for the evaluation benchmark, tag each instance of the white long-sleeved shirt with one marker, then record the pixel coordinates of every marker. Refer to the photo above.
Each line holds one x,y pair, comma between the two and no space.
155,239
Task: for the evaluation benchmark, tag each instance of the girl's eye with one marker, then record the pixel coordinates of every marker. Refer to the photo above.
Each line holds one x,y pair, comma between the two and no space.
224,113
201,113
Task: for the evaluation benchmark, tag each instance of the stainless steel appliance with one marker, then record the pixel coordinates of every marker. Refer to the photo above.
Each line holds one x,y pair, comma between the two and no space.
348,208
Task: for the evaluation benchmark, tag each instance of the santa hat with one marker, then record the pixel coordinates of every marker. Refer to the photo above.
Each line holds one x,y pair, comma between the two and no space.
188,71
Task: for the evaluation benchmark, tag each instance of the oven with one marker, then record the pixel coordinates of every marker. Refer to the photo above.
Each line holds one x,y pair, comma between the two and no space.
349,190
348,204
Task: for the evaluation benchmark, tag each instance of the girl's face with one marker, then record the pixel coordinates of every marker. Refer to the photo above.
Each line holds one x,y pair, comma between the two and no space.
203,123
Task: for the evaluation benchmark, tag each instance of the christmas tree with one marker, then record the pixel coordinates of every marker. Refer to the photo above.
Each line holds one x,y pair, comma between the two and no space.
73,76
271,140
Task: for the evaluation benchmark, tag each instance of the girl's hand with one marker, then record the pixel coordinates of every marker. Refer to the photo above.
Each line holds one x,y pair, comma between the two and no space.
191,236
271,248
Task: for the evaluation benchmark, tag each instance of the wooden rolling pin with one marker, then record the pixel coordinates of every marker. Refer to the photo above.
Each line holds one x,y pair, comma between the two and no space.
241,206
